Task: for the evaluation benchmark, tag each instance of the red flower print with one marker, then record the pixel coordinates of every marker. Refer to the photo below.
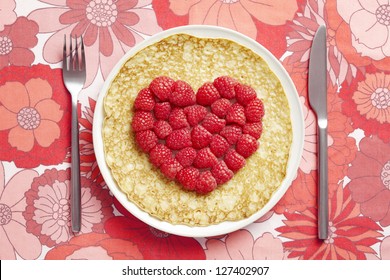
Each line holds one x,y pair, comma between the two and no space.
48,210
367,102
88,164
350,235
299,42
153,243
241,245
370,179
109,28
256,19
95,246
14,237
34,127
16,42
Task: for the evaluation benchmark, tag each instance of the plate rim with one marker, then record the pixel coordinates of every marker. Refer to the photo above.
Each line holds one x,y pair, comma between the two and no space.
296,149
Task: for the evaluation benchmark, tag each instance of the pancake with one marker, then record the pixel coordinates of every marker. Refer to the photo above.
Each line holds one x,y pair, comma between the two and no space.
196,61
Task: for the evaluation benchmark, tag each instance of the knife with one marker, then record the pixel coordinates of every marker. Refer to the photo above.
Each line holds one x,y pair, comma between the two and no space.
318,102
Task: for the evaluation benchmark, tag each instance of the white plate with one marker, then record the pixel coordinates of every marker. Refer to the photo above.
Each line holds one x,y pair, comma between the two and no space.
295,152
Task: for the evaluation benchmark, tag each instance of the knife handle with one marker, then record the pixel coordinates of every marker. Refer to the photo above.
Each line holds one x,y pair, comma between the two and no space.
323,215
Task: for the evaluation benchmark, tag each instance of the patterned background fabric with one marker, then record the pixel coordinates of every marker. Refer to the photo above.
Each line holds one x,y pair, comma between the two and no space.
35,129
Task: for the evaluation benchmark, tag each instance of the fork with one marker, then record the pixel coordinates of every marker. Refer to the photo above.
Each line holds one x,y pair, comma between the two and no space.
74,74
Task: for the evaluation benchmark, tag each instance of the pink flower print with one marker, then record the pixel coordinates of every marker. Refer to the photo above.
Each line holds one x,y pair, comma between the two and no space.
95,246
7,13
370,179
15,46
373,97
48,210
384,251
14,238
370,26
241,245
309,156
33,108
109,27
32,117
299,41
367,102
88,164
236,14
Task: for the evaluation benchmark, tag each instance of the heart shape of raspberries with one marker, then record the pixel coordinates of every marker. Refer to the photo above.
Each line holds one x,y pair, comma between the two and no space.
200,140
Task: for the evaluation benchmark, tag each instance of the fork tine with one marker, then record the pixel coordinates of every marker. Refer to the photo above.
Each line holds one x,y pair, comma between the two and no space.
71,61
76,56
64,60
82,53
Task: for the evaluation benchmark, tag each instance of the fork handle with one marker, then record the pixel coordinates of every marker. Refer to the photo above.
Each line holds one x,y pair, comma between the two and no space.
323,215
75,171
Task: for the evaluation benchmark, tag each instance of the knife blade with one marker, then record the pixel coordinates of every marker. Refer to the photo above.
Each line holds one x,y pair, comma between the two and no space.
318,102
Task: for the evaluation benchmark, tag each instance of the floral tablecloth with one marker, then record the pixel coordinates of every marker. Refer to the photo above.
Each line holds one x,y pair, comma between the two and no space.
35,129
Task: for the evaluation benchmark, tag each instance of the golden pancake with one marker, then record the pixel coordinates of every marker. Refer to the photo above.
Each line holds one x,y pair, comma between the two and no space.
196,61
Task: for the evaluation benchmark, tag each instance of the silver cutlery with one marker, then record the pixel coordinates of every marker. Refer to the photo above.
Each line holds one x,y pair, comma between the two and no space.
74,74
318,102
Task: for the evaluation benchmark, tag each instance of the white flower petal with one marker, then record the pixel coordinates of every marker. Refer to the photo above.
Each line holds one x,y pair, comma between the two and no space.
347,8
386,46
367,30
27,245
369,5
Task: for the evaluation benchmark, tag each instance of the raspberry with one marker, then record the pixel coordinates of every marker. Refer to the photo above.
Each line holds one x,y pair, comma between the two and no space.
186,156
200,137
244,94
162,129
236,114
159,154
142,121
207,94
225,86
144,100
234,160
219,145
221,173
179,139
146,140
188,177
162,87
231,133
177,119
254,111
213,124
205,159
162,110
183,95
206,183
246,145
170,168
195,114
220,107
253,129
